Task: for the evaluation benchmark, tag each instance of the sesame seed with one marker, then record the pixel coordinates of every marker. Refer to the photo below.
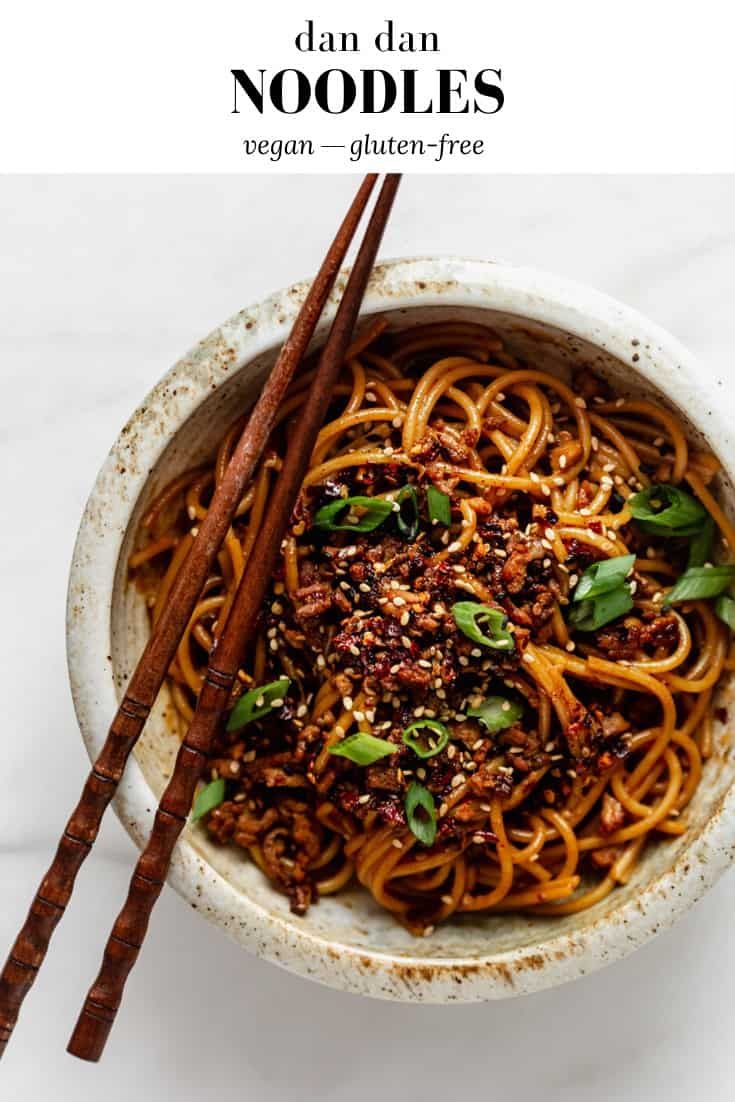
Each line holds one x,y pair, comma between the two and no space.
397,843
562,462
405,619
571,646
363,799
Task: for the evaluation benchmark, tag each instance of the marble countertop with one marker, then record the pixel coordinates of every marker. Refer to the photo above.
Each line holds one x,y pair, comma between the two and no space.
104,282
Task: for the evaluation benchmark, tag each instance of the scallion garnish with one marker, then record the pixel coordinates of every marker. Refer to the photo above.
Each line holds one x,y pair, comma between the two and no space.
368,512
468,615
602,594
725,609
211,796
439,506
426,745
595,613
667,511
699,583
421,813
407,517
257,703
497,712
363,749
604,576
700,548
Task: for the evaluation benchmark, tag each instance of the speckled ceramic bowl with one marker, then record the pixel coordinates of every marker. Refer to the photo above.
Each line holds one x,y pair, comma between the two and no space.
347,941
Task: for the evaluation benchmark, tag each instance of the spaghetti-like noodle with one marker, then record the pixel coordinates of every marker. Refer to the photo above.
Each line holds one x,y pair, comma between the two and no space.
597,737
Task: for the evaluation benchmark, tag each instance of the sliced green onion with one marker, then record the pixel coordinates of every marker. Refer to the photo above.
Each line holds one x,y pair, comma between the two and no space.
699,583
257,703
598,611
421,813
373,512
603,576
497,712
426,746
725,609
407,517
363,749
468,615
439,505
211,796
667,511
700,549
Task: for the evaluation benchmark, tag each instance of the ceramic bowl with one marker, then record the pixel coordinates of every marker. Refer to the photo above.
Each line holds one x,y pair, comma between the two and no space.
347,941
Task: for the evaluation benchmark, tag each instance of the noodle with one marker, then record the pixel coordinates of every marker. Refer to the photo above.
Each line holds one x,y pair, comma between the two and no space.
607,729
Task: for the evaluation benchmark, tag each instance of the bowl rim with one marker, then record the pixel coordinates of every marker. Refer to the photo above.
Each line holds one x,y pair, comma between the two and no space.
395,284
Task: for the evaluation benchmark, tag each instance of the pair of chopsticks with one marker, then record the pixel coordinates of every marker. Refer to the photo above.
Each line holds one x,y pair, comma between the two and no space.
28,953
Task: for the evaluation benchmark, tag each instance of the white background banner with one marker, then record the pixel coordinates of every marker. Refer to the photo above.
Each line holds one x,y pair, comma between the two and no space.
633,86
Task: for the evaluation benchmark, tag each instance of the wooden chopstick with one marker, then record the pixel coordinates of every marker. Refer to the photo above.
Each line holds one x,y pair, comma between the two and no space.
104,997
54,893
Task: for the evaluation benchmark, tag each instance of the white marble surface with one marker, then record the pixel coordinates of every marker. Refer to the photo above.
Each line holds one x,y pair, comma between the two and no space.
104,281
